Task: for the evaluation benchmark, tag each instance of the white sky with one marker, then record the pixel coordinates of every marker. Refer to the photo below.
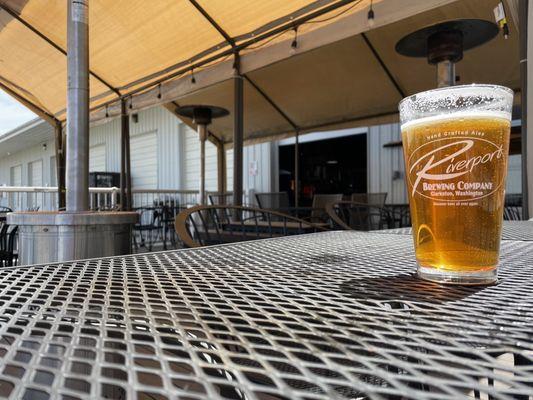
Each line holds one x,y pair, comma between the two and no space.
12,113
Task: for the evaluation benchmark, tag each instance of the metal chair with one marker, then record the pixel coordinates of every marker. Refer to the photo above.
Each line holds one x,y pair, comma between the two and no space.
8,239
5,209
273,201
350,215
149,222
320,201
512,210
512,213
400,213
377,199
218,199
209,225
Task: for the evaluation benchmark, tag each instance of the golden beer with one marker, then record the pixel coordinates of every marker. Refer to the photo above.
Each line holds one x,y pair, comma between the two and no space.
455,169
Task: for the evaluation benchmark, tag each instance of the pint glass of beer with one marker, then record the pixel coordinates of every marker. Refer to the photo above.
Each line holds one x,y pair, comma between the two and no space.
456,144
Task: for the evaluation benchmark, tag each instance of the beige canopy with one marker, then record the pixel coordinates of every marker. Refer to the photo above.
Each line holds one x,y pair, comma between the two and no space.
339,73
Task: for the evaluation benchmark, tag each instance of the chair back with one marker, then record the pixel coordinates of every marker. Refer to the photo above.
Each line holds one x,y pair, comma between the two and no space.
377,199
8,239
209,225
512,213
350,215
218,199
4,237
5,209
148,216
273,200
320,201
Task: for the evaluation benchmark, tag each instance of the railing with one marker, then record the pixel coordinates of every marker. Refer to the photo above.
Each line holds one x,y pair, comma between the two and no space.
36,198
33,198
169,197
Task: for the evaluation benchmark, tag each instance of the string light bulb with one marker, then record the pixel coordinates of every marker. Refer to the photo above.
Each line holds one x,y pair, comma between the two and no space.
159,91
193,79
294,44
106,111
370,16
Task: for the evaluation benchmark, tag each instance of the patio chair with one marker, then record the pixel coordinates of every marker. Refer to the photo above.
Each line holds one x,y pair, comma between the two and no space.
149,222
350,215
209,225
8,239
217,198
377,199
320,201
512,213
400,213
5,210
512,210
278,201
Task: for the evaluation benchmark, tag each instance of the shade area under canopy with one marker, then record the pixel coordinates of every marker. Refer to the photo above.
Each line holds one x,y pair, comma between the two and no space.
341,73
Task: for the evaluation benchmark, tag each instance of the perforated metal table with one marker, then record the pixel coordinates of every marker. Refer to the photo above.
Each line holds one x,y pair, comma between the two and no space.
330,315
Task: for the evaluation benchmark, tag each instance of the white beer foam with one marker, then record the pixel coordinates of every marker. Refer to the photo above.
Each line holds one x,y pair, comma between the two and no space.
457,115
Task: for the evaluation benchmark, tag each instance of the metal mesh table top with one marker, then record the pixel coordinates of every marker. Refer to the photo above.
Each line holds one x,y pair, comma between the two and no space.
511,230
331,315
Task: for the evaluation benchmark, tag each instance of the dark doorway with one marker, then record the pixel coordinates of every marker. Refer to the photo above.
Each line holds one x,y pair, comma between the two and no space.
326,166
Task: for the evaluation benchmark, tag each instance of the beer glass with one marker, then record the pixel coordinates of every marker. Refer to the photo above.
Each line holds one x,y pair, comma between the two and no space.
456,144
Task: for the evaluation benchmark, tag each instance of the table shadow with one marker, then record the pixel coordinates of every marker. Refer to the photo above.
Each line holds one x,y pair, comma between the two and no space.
405,287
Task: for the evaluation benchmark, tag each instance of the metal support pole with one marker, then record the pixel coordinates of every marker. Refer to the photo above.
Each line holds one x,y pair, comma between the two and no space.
296,169
221,168
127,154
202,134
526,84
238,133
445,73
60,164
77,178
124,127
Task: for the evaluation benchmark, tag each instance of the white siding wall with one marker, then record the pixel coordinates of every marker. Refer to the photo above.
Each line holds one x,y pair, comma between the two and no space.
259,153
97,158
144,161
24,158
383,161
168,131
192,162
514,175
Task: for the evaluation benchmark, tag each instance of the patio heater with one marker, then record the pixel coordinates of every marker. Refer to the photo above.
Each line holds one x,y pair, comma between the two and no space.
443,44
77,232
202,115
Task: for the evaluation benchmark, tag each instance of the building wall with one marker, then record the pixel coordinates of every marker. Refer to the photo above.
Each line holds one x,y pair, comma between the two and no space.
386,170
176,155
24,158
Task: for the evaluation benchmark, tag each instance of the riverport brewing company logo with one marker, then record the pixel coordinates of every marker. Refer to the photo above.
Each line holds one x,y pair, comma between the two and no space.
458,169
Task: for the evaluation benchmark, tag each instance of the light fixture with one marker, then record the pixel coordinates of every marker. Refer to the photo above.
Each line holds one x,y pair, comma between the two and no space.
193,79
370,16
294,44
44,146
135,118
159,91
106,112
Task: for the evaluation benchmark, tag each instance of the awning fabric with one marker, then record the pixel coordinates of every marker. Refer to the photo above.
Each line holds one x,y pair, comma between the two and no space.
341,73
